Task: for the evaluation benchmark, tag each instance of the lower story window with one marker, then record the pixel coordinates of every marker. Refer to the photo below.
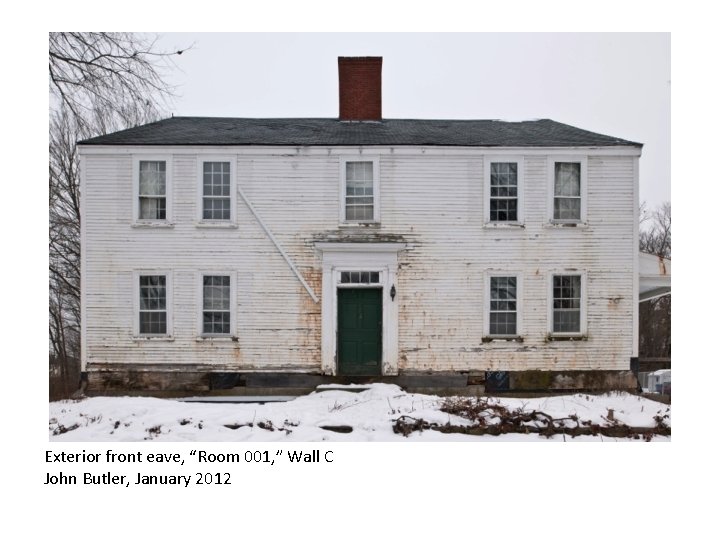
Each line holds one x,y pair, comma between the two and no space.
503,305
216,305
153,305
566,303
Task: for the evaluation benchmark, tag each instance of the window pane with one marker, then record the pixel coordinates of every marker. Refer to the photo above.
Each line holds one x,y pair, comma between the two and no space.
152,178
216,292
152,292
153,322
503,209
359,172
566,321
359,213
152,208
216,208
503,324
567,179
567,208
216,322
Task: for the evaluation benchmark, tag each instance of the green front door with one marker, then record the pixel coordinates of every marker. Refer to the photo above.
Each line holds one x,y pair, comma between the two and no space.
359,331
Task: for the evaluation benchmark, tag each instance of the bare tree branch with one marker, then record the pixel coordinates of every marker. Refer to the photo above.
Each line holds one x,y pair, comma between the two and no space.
99,82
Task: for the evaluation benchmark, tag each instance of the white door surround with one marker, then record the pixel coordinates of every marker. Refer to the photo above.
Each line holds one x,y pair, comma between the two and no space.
338,257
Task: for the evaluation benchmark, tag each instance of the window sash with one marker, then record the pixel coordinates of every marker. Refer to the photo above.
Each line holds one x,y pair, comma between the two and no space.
152,306
503,306
152,207
567,303
216,312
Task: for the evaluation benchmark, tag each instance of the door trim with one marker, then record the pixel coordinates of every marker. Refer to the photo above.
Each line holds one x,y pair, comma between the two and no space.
340,257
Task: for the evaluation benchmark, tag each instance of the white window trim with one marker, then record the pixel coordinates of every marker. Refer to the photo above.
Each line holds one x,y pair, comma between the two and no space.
376,188
220,223
583,161
488,160
168,336
519,306
233,305
583,302
167,222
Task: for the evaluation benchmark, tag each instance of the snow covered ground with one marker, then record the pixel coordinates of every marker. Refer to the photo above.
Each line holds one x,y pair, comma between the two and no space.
370,414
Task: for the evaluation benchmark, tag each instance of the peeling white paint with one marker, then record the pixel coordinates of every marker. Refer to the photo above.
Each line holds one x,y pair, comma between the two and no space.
433,201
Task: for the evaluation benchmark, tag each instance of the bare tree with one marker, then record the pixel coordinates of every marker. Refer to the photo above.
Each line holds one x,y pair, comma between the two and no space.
655,238
99,82
120,74
655,230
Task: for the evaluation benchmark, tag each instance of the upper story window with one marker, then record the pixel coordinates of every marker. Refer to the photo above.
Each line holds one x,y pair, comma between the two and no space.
569,189
503,190
360,197
216,191
152,189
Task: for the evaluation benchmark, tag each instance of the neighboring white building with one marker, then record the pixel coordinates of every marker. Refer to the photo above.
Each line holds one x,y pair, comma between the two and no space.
215,250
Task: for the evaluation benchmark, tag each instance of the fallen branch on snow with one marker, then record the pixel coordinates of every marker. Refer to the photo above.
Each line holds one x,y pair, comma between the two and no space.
494,419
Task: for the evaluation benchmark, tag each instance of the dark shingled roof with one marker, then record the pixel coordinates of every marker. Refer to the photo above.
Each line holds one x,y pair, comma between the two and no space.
187,130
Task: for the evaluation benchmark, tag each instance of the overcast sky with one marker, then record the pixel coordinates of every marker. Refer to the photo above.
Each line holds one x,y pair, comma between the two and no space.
615,84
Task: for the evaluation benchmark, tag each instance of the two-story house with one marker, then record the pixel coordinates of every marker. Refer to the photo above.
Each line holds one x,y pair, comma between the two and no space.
224,253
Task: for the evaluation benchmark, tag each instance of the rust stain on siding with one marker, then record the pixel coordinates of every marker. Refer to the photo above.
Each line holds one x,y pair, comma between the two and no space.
311,317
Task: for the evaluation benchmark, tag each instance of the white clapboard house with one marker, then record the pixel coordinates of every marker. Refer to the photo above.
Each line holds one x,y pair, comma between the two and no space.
251,254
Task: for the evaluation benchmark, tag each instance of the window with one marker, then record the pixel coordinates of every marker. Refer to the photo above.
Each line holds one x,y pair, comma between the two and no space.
567,191
566,308
216,312
153,313
503,192
359,191
365,278
216,191
503,188
568,185
152,190
503,306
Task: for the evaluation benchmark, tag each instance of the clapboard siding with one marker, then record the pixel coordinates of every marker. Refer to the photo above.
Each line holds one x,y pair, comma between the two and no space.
433,200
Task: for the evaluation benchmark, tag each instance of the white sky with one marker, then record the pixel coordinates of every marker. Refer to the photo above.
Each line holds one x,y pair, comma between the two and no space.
615,84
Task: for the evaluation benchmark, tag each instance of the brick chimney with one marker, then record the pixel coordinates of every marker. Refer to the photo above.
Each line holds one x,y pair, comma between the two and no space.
360,87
